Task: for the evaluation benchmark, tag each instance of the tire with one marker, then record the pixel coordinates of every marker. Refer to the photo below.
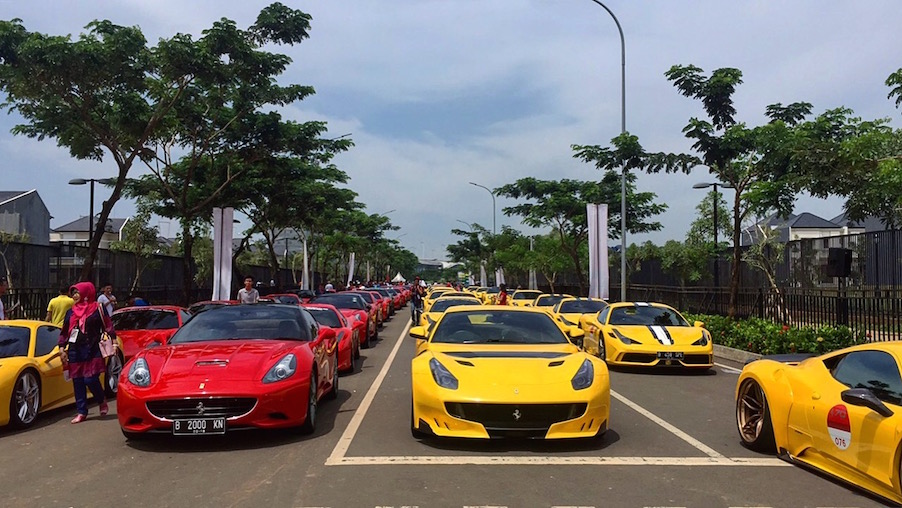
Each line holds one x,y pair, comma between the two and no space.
602,348
357,349
333,392
753,419
353,367
25,402
111,377
414,431
309,425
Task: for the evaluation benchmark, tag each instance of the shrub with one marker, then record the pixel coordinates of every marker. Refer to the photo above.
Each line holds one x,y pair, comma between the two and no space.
769,338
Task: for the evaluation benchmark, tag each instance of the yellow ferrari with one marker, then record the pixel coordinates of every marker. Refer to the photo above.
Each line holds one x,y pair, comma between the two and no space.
524,297
442,304
570,311
647,334
433,293
31,372
840,413
500,371
547,302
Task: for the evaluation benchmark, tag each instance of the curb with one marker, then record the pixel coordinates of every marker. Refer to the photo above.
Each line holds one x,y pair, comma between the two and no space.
736,355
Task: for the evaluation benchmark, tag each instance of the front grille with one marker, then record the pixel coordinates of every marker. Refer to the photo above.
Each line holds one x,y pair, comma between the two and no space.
640,357
697,359
212,407
516,416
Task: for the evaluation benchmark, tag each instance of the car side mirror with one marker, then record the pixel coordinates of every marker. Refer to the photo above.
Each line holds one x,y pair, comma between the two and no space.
418,332
866,398
576,336
699,324
153,344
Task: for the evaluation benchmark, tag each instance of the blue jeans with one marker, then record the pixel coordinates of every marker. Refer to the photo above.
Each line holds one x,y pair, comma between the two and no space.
415,312
81,393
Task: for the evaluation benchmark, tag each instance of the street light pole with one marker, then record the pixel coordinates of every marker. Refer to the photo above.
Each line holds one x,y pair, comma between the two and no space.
623,171
82,181
705,185
494,230
470,226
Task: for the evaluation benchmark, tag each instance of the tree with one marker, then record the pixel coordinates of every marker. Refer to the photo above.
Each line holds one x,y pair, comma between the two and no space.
561,205
765,254
141,240
750,160
687,261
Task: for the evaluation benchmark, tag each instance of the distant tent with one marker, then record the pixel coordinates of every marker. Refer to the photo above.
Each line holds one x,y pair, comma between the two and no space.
399,278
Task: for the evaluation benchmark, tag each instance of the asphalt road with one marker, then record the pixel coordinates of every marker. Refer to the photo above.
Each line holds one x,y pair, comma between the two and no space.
672,442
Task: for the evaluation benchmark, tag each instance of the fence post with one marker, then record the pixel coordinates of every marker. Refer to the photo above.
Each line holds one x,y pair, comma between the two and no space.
760,303
842,305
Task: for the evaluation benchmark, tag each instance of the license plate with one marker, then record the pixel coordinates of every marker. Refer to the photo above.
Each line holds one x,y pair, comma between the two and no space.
199,426
670,355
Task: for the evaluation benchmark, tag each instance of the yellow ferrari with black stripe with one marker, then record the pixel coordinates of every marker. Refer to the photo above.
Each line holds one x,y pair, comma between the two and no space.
505,372
524,297
840,413
647,334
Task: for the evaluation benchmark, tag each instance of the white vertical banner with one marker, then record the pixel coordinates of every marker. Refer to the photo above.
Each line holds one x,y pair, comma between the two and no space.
599,274
368,278
533,283
222,252
499,276
350,270
483,279
305,279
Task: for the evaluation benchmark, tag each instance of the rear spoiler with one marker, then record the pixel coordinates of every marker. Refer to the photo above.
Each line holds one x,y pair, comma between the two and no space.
789,358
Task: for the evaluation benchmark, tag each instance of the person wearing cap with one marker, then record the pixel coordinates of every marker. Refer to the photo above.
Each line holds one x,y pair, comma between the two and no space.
330,288
417,295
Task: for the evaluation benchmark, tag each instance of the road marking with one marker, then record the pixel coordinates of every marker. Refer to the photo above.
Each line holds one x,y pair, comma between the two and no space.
344,442
481,460
338,456
728,369
695,443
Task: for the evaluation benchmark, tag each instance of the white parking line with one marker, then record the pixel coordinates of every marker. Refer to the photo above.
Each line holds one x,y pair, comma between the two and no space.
338,456
695,443
728,369
344,442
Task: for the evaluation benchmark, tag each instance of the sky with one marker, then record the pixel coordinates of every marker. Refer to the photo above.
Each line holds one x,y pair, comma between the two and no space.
440,93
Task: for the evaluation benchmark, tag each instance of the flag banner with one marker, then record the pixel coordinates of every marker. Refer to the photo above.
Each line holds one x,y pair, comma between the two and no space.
533,283
599,274
350,270
499,276
222,252
483,279
305,279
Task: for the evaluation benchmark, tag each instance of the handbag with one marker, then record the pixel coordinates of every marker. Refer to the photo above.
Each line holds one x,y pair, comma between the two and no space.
108,346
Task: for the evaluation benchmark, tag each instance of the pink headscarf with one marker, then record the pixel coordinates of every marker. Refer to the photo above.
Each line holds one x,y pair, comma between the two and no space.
87,303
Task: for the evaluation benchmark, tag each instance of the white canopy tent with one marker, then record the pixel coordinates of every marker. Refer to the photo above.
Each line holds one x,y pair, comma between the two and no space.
399,278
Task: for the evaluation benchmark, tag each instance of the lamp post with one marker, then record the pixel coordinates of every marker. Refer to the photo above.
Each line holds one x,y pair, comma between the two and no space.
82,181
470,226
494,230
705,185
623,171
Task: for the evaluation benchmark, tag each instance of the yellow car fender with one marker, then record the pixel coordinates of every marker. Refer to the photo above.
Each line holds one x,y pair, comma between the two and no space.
771,377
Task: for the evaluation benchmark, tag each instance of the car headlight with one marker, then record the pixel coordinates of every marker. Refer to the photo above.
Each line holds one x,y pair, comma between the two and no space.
703,341
624,339
282,370
443,377
139,373
584,376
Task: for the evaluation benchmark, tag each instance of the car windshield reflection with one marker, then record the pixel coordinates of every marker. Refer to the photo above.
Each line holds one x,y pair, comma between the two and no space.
498,327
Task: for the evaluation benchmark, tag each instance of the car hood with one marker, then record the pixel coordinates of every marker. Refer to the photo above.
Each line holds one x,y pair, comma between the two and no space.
502,368
665,335
239,360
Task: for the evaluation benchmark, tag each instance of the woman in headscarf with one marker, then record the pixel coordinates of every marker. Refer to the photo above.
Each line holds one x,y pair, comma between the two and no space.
80,346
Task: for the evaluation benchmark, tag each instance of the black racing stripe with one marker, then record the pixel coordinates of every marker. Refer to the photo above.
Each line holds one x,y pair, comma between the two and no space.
506,354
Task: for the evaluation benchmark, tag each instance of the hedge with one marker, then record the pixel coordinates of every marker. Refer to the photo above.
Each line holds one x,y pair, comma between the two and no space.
769,338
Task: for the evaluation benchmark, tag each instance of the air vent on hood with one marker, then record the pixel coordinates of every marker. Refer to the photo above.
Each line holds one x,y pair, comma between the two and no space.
555,364
464,362
218,363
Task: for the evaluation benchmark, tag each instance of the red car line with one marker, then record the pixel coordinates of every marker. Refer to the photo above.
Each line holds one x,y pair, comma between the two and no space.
139,327
348,338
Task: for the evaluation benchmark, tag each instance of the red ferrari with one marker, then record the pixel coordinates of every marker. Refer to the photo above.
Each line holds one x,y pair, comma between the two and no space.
139,327
348,338
229,368
360,314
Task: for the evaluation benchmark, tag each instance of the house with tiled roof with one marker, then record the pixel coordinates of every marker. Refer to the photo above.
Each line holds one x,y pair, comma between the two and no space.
24,213
800,227
76,232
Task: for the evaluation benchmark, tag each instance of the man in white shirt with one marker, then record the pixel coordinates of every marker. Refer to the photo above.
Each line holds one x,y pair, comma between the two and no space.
248,294
107,299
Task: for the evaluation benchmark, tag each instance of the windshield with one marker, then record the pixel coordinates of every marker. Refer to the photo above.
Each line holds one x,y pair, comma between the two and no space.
289,299
443,304
582,306
383,292
325,317
14,341
243,322
342,300
145,320
549,300
498,327
645,316
493,291
526,295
